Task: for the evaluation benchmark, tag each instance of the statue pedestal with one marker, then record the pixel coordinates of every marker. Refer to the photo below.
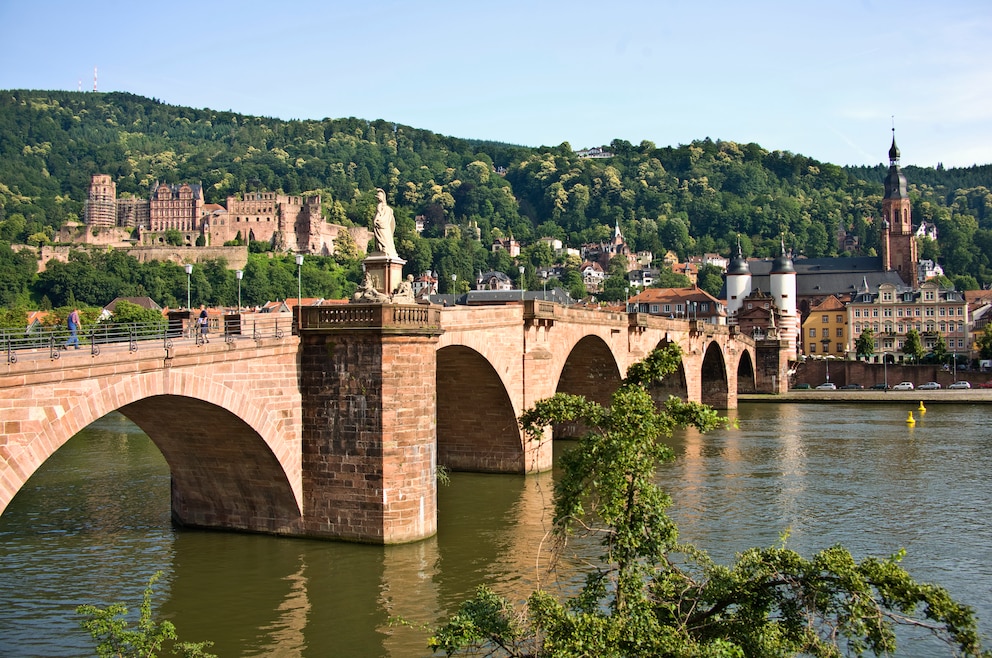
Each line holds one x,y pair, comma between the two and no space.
386,272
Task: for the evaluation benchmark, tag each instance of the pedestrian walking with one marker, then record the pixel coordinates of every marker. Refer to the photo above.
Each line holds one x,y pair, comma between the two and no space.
73,323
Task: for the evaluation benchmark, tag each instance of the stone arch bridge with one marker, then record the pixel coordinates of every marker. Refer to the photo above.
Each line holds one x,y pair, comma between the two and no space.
336,431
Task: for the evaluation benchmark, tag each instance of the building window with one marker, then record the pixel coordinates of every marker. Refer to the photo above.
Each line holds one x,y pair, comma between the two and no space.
654,308
928,295
874,313
840,332
887,296
667,308
917,313
812,348
943,311
929,312
840,319
839,347
826,319
887,312
857,312
812,332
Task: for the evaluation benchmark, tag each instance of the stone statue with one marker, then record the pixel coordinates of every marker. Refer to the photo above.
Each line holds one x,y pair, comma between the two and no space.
368,293
384,225
404,292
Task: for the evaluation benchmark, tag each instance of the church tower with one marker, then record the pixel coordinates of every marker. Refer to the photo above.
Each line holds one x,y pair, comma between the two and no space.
899,250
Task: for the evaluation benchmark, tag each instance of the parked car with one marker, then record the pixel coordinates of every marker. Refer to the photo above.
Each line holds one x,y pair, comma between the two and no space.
880,387
827,386
903,386
929,386
853,387
959,385
987,384
801,387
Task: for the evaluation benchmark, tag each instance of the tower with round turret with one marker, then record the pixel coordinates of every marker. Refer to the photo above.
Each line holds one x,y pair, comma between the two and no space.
782,281
738,282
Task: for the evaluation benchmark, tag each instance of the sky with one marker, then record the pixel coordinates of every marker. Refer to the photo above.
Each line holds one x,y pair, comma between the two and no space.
827,80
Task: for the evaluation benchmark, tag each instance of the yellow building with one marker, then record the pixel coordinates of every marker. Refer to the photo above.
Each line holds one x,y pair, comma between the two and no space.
825,331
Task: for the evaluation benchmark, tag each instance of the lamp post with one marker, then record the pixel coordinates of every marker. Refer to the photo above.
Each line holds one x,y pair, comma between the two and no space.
521,270
454,277
240,274
189,272
826,348
299,280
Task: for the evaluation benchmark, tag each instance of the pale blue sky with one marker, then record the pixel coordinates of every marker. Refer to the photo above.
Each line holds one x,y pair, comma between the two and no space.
822,79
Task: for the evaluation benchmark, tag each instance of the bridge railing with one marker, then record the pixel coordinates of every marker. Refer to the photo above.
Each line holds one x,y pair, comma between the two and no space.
114,336
370,316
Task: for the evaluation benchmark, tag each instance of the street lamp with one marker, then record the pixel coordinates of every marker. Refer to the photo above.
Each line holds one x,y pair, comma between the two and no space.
299,280
521,270
189,271
240,274
826,348
454,277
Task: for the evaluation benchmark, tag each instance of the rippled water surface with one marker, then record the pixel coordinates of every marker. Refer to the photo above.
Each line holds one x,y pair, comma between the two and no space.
93,524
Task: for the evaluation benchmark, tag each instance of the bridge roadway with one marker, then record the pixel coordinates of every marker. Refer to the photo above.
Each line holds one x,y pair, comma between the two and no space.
336,431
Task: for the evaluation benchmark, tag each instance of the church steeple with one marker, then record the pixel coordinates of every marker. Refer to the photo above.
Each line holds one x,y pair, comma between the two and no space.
899,250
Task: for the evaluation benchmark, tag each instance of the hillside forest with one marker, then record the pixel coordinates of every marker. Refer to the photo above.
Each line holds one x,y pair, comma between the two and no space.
691,199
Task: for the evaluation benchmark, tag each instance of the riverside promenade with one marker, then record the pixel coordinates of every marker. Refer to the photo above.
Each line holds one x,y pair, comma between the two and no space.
941,396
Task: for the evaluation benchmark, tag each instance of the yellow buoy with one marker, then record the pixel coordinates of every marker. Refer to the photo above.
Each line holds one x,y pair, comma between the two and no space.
922,409
910,420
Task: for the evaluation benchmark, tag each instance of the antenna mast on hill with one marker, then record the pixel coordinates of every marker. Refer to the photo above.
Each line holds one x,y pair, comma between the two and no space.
94,78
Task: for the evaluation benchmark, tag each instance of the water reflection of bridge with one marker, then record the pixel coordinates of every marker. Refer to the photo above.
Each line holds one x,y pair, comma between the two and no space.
336,430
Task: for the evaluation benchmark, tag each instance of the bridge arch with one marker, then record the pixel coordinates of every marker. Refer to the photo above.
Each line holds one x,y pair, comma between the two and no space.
715,389
746,378
672,385
477,427
232,464
590,370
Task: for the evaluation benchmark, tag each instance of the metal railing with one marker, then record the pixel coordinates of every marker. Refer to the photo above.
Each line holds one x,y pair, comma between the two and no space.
118,337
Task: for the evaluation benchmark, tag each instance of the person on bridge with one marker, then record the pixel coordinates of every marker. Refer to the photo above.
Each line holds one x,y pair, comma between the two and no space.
203,323
73,323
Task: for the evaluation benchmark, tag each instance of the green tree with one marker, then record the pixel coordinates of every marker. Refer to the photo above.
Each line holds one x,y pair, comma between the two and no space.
939,351
710,279
913,347
126,312
984,343
653,596
864,346
173,237
115,639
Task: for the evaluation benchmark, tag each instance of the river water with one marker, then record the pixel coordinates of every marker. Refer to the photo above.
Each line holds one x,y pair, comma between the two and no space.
93,524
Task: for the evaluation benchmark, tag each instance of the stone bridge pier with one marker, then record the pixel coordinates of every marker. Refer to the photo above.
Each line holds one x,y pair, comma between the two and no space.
369,450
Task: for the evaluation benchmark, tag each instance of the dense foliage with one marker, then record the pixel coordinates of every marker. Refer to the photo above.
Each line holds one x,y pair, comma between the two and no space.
116,638
690,199
649,595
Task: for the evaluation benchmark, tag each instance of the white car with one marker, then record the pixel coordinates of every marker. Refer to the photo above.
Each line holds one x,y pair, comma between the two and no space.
827,386
959,385
903,386
929,386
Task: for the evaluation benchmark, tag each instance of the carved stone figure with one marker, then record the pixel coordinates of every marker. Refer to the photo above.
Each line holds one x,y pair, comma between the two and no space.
368,293
404,292
384,225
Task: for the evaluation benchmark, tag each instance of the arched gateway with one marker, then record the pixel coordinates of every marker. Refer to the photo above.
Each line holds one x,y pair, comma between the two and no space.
337,432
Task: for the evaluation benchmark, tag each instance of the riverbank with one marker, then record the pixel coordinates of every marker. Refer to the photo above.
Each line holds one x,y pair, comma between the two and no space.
942,396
